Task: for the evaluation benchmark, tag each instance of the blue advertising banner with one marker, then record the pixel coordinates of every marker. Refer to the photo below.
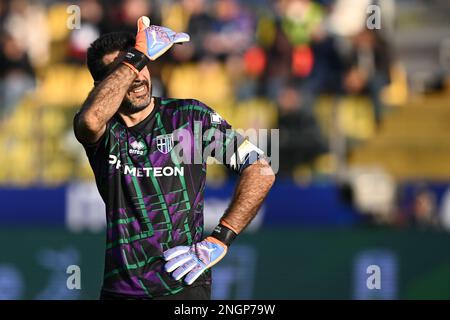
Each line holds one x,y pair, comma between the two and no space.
79,207
74,203
32,205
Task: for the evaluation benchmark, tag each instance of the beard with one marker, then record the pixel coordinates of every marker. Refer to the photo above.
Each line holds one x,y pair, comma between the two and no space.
132,102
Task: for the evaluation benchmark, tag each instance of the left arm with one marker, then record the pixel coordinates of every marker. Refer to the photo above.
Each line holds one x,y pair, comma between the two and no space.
251,190
253,186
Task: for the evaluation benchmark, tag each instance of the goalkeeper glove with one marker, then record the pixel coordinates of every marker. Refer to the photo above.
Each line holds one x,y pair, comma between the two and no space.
194,260
151,42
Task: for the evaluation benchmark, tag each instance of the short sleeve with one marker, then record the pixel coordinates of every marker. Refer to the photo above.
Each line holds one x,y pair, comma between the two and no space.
97,153
226,144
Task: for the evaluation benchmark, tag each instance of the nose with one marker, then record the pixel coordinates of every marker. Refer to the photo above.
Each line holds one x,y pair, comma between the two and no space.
140,77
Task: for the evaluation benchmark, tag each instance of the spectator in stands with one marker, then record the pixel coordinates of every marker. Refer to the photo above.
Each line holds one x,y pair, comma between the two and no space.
200,21
279,63
80,39
300,20
123,17
3,11
232,29
301,49
367,68
26,23
424,210
364,54
16,74
300,138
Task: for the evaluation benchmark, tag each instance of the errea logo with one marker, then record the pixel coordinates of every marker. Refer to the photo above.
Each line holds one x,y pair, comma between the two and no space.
137,148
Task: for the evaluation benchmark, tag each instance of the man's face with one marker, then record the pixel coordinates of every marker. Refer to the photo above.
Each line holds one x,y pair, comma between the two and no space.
139,94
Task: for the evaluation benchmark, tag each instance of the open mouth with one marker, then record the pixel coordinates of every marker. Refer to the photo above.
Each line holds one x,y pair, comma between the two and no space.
139,90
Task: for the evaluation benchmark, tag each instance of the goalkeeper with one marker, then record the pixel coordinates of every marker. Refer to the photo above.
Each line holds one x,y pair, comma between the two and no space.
154,199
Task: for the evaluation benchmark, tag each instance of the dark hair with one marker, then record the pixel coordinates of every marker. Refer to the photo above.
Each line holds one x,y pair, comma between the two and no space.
106,44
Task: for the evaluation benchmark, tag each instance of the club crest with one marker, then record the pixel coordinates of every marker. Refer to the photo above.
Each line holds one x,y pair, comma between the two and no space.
164,143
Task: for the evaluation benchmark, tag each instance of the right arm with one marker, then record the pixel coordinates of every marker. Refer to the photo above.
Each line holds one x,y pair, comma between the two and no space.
105,99
102,103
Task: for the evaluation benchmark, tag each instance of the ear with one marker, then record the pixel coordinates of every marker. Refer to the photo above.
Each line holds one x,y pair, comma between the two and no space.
143,23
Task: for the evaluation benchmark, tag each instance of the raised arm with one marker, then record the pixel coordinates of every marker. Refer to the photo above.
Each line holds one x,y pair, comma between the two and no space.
102,103
106,98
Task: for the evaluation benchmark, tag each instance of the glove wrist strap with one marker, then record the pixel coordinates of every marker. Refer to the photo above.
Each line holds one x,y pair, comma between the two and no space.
135,59
224,234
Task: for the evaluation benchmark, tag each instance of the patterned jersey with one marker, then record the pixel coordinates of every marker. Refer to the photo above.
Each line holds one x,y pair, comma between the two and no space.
151,177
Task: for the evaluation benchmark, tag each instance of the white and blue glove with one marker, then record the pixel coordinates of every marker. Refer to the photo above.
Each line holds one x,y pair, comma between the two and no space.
194,260
153,40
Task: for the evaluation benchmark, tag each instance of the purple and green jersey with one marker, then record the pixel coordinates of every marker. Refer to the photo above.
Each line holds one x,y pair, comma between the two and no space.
152,177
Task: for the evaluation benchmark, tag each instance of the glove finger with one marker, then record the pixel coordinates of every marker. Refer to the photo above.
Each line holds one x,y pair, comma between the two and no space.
181,37
142,23
194,274
185,268
158,50
177,261
173,252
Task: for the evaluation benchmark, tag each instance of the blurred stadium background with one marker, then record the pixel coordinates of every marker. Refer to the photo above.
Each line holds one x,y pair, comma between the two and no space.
364,119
